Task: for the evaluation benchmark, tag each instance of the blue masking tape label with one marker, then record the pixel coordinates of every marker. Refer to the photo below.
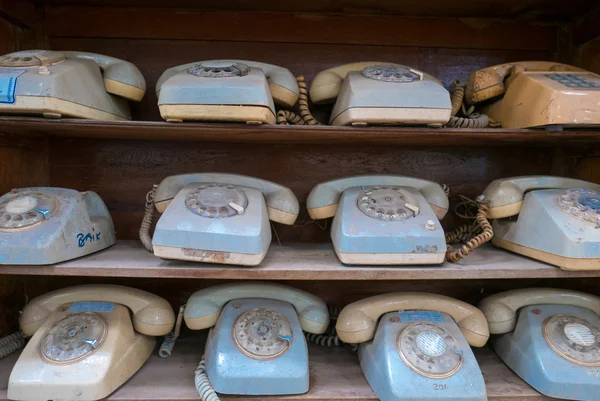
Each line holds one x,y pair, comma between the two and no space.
8,84
421,316
98,307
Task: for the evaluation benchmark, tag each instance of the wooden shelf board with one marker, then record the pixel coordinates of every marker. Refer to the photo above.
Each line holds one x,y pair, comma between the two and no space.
241,133
335,374
295,262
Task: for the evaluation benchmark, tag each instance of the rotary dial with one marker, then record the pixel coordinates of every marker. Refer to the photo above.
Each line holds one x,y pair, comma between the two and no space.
388,203
390,73
26,209
573,338
262,333
582,203
219,69
215,200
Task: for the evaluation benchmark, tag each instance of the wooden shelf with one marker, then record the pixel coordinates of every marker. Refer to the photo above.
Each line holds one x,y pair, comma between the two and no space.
295,262
241,133
335,374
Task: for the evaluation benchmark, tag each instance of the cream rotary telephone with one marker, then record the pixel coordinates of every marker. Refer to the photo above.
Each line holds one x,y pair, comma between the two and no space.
536,94
225,90
43,225
552,219
84,345
68,84
383,219
550,338
216,218
421,348
256,345
381,93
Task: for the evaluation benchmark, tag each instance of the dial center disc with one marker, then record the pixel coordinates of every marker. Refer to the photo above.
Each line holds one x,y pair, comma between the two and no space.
215,200
262,333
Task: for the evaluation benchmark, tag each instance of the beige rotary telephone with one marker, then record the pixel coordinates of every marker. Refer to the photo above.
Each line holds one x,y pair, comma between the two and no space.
536,93
70,84
381,93
84,345
414,344
216,217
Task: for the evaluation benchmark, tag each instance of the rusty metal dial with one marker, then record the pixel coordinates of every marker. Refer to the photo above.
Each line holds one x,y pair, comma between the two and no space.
429,350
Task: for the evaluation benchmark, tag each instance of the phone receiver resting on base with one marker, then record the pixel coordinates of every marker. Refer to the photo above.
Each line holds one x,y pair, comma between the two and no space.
397,332
85,335
257,344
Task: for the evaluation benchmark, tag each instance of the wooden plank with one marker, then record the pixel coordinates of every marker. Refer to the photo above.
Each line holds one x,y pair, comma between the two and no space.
272,134
21,12
548,10
335,375
295,262
253,26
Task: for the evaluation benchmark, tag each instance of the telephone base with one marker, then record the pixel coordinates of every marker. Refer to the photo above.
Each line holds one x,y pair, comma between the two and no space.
390,258
392,379
391,115
232,372
526,351
121,354
565,263
207,256
52,107
209,112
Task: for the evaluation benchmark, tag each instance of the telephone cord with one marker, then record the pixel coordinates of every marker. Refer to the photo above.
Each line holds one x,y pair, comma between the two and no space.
471,120
285,117
330,337
145,236
458,94
11,343
166,348
477,241
203,387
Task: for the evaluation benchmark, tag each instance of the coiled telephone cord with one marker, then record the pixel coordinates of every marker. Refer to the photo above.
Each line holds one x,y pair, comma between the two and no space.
471,120
285,117
203,387
330,337
145,236
166,348
477,241
11,343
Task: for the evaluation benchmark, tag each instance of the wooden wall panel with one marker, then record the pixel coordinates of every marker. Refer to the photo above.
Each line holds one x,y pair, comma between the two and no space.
122,172
154,56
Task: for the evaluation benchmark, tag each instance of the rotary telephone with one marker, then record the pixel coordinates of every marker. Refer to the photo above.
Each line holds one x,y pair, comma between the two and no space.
421,348
83,344
550,338
383,219
255,345
42,225
536,94
216,218
552,219
381,93
225,90
70,84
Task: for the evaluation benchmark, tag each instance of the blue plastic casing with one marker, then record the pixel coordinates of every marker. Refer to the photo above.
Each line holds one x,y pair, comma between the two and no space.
527,353
393,380
232,372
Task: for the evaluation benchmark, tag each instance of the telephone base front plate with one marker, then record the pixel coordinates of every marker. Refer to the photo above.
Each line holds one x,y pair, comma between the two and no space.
563,262
209,112
391,115
390,258
121,355
56,108
207,256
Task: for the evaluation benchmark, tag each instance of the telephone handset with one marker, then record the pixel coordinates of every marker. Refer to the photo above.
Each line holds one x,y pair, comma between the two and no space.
43,225
421,345
383,219
72,324
557,219
68,83
216,217
256,345
225,90
381,93
536,93
549,337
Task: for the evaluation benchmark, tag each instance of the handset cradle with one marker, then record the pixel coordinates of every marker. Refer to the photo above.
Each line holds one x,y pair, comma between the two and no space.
383,219
398,331
84,335
549,337
256,345
227,217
